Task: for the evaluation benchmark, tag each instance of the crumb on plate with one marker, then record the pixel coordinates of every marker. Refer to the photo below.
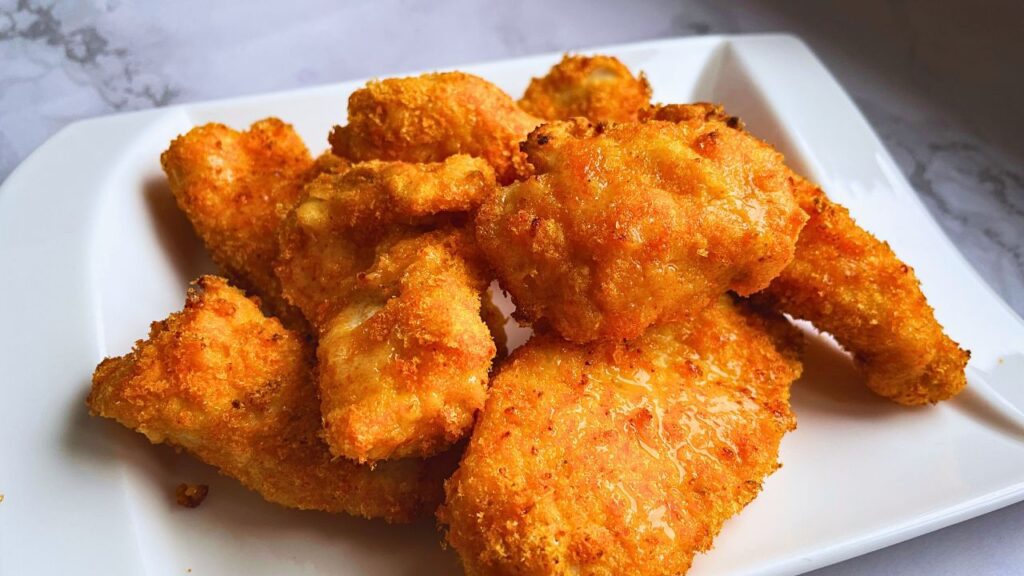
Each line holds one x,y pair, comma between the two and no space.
191,495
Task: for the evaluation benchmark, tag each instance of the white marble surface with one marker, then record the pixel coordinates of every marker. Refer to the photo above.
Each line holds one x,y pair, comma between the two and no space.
940,81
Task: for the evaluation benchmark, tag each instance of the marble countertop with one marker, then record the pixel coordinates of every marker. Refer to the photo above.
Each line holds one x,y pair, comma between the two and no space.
939,81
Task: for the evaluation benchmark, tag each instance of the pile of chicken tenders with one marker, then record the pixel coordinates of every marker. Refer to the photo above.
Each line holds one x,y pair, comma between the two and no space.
351,359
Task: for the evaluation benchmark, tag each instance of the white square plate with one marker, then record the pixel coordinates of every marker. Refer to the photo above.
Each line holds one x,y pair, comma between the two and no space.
92,249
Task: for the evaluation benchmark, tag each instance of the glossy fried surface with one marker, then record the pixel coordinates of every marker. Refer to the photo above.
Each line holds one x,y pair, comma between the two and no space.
431,117
598,88
236,188
332,235
404,367
851,284
629,225
235,388
622,458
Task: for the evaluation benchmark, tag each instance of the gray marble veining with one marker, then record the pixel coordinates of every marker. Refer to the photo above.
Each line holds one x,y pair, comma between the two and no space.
965,182
939,81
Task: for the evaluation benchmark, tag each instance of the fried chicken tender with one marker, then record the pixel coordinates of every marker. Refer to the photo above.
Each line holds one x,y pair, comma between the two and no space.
236,188
598,88
332,234
371,259
629,225
850,284
404,367
431,117
235,388
622,457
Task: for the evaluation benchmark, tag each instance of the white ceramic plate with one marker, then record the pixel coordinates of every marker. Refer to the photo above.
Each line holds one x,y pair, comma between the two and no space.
92,249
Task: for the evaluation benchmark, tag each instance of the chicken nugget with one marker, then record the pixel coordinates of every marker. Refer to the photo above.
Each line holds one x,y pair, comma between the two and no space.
235,388
332,234
404,367
598,88
371,259
622,457
236,188
628,225
850,284
431,117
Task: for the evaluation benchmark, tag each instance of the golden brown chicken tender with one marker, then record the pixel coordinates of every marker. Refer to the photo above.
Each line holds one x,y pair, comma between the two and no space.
236,188
332,234
622,458
850,284
598,88
404,367
395,293
235,388
431,117
629,225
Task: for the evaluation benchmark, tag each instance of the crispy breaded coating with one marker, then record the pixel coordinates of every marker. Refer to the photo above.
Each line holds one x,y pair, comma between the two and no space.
850,284
329,163
696,112
598,88
235,388
431,117
622,458
236,188
495,319
373,194
629,225
395,293
404,367
332,234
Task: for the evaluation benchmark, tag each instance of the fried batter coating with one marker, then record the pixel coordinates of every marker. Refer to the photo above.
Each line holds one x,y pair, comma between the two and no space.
236,188
404,367
332,234
850,284
375,193
235,388
431,117
629,225
696,112
329,163
598,88
622,458
404,353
